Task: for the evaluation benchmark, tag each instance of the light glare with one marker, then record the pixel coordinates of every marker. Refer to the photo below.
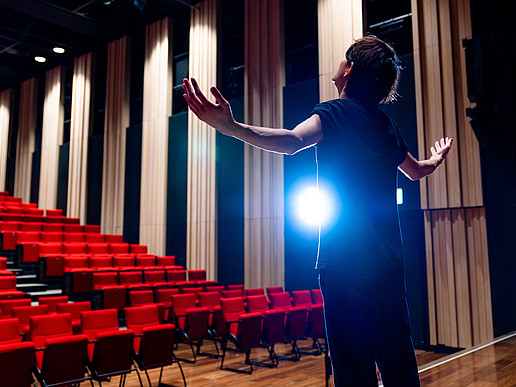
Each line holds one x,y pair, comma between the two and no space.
40,59
313,206
399,196
59,50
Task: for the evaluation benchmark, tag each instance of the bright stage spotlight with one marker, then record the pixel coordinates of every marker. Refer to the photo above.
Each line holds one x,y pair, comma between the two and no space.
313,206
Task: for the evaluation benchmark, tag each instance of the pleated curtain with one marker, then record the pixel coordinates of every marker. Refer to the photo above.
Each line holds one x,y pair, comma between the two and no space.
339,24
5,116
157,109
26,139
52,137
459,295
264,237
201,250
115,126
79,135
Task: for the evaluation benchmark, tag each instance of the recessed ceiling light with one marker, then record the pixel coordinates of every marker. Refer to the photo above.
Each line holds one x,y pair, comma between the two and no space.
40,59
59,50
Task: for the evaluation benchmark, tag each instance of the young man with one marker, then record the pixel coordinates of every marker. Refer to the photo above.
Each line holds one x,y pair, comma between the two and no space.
359,150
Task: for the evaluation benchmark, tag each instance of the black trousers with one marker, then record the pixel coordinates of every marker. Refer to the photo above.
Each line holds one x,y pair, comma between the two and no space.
366,323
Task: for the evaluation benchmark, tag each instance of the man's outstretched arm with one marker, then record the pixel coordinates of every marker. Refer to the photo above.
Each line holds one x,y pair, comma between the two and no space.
416,170
219,116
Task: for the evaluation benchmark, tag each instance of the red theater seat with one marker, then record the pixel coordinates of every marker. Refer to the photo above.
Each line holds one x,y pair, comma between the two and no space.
75,309
119,248
52,302
9,331
23,314
94,238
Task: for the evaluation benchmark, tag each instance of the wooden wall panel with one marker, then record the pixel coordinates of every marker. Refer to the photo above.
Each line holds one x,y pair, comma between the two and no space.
457,258
51,137
80,127
201,249
26,139
115,126
5,117
263,181
157,108
339,24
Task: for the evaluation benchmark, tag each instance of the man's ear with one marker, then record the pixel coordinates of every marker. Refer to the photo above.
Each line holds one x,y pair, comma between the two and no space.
348,71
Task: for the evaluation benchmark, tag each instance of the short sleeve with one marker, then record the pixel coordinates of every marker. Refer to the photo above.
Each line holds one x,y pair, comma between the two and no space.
402,148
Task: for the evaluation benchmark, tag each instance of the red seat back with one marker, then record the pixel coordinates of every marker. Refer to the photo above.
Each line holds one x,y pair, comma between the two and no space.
257,304
140,317
50,326
141,297
74,308
7,305
103,279
52,302
254,292
274,289
23,314
302,297
96,321
9,331
280,301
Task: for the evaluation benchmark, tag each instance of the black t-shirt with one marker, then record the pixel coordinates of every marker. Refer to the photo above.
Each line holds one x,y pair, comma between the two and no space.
357,159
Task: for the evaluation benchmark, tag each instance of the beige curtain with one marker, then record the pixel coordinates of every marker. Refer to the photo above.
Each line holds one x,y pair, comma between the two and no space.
201,248
264,194
51,138
157,108
456,241
26,139
5,116
79,133
339,23
116,123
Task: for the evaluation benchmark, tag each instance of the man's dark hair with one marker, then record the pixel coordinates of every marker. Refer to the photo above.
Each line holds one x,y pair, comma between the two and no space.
376,71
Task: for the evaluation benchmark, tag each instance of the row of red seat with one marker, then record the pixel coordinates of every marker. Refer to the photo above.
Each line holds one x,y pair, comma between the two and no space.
102,348
50,227
31,252
58,266
11,238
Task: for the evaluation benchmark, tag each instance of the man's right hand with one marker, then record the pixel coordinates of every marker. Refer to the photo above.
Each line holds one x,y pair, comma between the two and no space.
218,115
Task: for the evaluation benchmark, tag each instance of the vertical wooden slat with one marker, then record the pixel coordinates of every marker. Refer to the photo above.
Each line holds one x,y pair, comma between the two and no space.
52,136
26,139
201,192
157,108
115,125
5,117
457,245
79,134
263,180
461,278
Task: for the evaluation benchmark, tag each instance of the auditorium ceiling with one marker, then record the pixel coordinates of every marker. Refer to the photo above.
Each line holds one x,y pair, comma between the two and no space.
32,28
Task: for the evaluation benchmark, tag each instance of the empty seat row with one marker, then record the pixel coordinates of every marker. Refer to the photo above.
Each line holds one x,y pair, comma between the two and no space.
45,226
31,252
106,351
11,238
33,217
58,266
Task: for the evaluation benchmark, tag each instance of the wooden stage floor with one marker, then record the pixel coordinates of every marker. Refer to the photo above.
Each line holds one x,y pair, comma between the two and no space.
493,364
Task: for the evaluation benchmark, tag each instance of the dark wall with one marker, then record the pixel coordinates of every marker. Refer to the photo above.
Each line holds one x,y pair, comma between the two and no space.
177,185
94,178
230,204
62,177
133,167
301,241
491,72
